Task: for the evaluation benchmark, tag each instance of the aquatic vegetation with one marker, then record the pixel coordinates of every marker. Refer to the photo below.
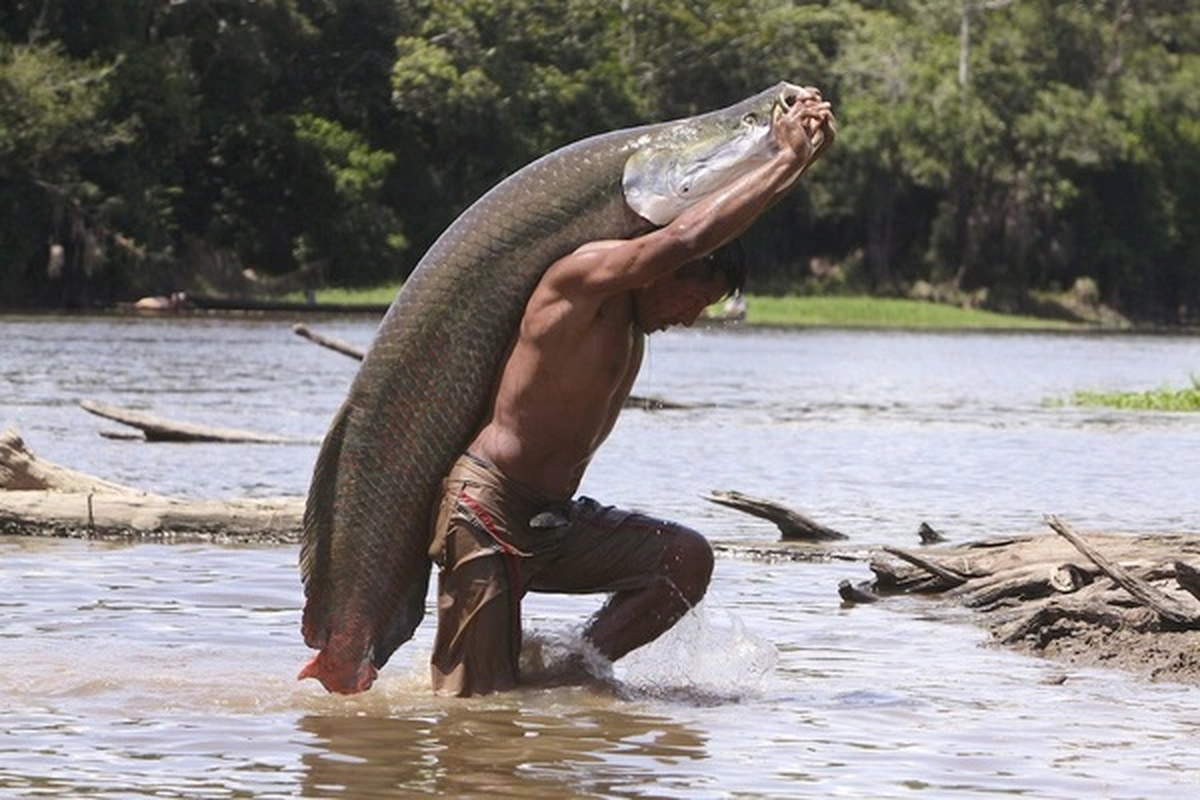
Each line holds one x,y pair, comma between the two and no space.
1164,398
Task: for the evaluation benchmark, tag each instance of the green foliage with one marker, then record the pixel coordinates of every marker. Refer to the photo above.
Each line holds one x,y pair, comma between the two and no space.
1164,398
1015,145
51,121
491,86
362,238
50,111
881,312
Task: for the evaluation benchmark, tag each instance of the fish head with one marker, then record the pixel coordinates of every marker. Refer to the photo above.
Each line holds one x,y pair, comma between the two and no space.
677,164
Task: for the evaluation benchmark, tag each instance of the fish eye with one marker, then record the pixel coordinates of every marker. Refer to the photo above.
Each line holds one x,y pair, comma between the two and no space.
750,119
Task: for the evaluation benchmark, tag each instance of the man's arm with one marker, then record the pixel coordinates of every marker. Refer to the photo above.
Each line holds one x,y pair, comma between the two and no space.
610,267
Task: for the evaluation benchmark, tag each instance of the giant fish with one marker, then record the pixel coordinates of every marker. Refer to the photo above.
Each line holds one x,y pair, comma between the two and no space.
421,392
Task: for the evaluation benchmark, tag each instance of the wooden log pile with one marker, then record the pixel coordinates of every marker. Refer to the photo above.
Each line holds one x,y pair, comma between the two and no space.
1105,599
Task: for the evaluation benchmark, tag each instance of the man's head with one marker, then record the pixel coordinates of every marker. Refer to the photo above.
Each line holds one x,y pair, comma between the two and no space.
728,261
681,297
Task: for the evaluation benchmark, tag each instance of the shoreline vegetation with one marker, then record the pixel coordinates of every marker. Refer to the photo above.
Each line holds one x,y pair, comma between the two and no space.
866,312
844,311
887,312
847,311
1163,398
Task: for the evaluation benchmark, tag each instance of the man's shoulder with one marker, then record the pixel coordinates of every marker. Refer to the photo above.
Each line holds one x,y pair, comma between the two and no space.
587,270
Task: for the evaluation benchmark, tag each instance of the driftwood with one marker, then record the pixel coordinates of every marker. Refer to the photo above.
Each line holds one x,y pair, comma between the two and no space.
1143,591
40,498
158,429
929,535
337,345
1188,577
21,470
792,524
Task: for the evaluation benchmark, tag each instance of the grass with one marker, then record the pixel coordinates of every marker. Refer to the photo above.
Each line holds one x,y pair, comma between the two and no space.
375,296
805,311
880,312
883,312
1164,398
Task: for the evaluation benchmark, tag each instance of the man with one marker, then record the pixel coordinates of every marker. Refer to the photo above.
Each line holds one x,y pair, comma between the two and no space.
507,522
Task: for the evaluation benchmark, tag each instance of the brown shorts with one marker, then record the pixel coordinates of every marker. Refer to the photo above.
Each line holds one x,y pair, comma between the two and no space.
494,540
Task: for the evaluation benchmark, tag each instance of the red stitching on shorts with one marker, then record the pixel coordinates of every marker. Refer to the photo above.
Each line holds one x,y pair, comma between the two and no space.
489,523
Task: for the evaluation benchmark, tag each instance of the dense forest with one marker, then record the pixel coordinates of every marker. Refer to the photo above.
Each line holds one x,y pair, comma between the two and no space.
1011,146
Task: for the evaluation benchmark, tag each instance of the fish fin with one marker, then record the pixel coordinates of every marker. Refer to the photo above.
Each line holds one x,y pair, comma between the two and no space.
317,537
339,681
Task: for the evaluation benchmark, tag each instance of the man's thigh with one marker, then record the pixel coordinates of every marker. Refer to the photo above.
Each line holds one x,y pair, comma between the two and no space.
606,549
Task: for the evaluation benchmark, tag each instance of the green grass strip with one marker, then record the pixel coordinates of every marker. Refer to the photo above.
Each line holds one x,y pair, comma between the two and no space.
883,312
808,311
1161,399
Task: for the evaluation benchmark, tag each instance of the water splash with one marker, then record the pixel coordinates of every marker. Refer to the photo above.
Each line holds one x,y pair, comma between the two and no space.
697,662
701,661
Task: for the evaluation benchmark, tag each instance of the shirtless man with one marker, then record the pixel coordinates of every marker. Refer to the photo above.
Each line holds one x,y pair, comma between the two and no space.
507,522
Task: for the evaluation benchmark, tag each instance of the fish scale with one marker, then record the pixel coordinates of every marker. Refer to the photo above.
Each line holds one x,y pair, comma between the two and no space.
421,392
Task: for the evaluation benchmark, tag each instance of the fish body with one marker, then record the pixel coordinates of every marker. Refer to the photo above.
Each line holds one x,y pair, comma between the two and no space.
422,390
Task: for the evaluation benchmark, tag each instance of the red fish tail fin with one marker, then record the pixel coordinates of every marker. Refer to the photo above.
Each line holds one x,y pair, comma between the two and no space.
342,677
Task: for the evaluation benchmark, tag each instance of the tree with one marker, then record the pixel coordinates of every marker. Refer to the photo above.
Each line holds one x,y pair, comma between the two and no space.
485,87
50,126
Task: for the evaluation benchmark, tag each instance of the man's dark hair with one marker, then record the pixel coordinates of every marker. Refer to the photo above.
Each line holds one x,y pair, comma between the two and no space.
728,260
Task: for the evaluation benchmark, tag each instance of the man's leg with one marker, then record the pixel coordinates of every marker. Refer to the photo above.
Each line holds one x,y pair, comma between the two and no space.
478,642
656,571
634,617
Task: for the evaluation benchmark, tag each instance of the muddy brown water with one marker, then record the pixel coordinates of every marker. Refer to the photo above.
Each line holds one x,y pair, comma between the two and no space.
168,670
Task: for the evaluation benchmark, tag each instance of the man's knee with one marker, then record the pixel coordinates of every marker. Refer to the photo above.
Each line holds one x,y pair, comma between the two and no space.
688,563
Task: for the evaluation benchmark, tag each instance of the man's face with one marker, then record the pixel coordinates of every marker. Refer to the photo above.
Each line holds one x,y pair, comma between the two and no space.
678,300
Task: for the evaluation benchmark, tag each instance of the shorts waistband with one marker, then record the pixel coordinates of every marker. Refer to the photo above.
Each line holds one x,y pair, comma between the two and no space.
485,468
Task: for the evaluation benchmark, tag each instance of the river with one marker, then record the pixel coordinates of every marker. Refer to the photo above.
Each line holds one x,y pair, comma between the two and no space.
168,670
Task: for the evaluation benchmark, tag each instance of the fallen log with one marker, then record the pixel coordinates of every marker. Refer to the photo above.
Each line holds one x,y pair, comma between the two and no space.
1164,605
21,470
150,517
159,429
41,498
792,524
1188,578
337,345
947,577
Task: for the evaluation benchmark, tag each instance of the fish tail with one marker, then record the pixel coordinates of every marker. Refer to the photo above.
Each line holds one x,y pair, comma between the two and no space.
341,677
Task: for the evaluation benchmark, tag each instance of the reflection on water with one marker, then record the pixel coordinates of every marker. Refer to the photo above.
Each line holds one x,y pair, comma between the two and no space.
467,750
169,671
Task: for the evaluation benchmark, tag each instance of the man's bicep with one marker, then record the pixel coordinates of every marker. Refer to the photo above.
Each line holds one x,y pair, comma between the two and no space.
618,265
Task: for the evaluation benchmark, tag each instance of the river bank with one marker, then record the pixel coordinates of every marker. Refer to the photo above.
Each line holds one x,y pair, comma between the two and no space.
807,311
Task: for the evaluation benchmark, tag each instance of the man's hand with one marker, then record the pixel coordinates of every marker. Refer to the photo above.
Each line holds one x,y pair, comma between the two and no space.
806,126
